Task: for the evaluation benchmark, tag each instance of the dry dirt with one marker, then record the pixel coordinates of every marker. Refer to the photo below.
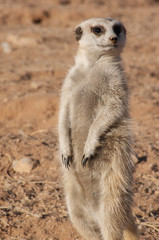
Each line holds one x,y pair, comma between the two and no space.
37,47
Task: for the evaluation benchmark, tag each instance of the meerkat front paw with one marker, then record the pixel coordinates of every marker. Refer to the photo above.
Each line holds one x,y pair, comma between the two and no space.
66,153
89,150
67,160
87,156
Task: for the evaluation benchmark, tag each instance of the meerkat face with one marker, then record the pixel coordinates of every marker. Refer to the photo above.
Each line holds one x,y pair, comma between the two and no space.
101,34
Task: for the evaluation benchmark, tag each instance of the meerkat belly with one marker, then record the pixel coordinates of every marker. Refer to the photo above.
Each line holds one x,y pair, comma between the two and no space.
82,111
86,186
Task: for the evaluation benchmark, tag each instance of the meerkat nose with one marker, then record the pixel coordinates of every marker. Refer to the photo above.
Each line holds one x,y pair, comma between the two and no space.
114,39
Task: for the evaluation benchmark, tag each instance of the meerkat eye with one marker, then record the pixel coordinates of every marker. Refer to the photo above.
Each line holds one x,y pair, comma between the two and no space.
117,29
97,30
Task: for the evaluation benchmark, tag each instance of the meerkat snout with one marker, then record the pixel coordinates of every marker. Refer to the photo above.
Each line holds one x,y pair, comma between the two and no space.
114,39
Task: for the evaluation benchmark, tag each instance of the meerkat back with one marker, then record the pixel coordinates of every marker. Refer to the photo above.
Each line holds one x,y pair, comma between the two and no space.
95,137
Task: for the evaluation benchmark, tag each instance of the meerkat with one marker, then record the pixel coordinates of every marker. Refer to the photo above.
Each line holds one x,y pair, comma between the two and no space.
95,137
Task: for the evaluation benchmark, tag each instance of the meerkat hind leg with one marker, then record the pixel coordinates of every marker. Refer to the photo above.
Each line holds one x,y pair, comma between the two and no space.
113,229
109,233
83,222
130,233
85,226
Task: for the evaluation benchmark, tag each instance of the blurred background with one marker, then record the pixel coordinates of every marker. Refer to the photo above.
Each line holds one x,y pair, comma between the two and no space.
37,47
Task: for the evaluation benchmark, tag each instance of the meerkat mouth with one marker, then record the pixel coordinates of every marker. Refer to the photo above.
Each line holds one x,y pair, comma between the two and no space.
109,46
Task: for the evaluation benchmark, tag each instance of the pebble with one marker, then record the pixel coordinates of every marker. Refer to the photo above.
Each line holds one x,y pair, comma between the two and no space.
34,85
24,165
6,47
20,41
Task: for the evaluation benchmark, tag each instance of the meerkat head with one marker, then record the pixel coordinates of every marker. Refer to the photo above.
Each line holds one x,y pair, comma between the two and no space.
105,35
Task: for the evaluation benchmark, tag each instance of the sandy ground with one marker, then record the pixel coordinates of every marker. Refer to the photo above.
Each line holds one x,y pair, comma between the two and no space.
37,47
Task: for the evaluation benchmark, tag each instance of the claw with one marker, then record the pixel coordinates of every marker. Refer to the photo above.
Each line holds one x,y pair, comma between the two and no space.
86,159
66,161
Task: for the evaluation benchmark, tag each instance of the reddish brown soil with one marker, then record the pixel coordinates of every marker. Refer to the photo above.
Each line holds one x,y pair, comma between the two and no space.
37,47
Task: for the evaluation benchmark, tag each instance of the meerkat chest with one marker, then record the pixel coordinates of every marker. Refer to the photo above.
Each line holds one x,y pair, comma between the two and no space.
83,101
83,93
84,104
85,86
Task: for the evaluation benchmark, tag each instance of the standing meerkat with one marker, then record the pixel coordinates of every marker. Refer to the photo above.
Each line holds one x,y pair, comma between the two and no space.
95,137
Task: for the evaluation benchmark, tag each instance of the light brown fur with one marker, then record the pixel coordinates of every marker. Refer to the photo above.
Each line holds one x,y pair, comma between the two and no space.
95,136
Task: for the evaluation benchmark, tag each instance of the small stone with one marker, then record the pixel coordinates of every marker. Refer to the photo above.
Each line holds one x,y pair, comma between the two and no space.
24,165
6,47
34,85
21,41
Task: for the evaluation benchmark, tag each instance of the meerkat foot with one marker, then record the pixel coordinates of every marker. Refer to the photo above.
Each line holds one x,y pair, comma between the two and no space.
85,159
67,161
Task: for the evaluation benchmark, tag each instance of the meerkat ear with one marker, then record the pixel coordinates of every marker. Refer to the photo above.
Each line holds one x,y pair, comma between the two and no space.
78,33
124,30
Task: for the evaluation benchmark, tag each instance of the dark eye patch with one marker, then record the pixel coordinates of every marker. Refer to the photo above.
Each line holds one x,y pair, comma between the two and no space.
97,30
117,28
